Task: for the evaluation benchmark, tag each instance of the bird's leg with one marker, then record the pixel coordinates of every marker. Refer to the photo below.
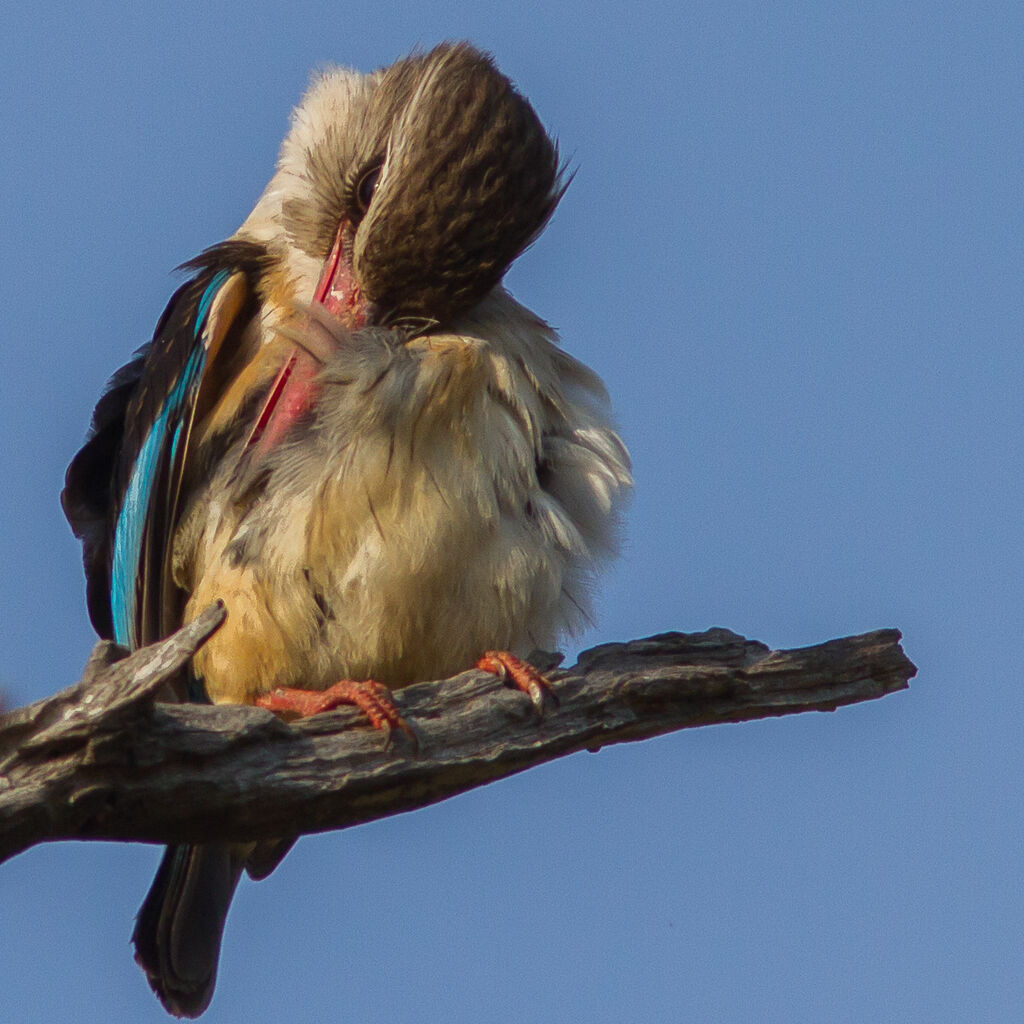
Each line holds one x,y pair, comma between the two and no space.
372,698
520,674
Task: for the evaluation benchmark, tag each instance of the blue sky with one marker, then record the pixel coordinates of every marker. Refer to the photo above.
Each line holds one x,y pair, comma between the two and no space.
793,249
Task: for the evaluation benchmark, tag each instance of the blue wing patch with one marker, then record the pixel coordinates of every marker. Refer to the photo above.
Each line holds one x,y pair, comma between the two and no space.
129,535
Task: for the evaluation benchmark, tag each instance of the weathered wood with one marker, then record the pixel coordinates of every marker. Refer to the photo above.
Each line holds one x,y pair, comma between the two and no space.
105,759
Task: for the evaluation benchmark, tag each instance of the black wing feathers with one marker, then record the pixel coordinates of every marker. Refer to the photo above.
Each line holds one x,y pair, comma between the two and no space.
98,476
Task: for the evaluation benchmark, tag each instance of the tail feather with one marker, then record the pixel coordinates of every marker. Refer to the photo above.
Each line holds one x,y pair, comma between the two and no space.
178,930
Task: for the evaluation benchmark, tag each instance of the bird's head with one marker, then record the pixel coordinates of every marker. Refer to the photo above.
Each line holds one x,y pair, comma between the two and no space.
402,197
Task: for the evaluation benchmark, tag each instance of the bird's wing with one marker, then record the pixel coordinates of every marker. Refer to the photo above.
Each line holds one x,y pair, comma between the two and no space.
124,489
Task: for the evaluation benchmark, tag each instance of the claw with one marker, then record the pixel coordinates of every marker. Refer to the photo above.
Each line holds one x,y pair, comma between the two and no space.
520,674
372,698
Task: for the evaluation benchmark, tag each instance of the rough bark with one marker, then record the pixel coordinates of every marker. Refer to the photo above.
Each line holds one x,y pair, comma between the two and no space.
105,759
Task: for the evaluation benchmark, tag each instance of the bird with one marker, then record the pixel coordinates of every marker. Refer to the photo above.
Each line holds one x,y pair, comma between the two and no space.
347,431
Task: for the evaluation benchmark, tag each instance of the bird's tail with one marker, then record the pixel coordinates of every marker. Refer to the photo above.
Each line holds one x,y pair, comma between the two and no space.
178,929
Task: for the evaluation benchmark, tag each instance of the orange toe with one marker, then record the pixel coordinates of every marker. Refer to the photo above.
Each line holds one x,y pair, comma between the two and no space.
372,698
520,674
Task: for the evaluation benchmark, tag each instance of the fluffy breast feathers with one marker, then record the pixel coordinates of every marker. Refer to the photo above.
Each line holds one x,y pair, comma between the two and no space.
449,495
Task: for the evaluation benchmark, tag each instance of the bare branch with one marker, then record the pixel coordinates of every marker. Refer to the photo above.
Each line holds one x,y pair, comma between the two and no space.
104,759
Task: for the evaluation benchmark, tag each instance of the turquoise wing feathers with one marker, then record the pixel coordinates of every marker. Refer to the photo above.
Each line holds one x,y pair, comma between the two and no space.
156,460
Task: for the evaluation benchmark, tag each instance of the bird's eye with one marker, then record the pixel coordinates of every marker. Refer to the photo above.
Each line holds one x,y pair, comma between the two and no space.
365,188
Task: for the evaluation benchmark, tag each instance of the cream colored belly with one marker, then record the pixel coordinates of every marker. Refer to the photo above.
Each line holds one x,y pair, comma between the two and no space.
398,575
408,531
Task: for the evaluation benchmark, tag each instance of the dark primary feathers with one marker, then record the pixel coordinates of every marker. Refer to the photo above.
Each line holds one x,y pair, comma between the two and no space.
178,930
98,476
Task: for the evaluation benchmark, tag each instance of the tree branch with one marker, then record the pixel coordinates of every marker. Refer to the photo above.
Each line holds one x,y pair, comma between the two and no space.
104,759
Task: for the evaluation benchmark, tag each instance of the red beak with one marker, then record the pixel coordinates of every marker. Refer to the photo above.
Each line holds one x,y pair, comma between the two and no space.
294,390
337,290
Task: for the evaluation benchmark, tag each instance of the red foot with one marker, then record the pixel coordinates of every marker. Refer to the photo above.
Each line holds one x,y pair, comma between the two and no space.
373,699
520,674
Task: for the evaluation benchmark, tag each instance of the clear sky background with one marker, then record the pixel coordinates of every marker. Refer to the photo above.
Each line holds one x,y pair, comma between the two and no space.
793,249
